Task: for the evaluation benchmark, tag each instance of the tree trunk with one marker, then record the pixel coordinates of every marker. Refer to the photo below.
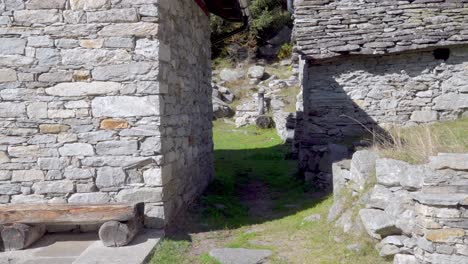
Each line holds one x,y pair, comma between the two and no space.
117,234
19,236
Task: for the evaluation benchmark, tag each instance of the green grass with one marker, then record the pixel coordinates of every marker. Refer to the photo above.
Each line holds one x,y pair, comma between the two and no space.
250,154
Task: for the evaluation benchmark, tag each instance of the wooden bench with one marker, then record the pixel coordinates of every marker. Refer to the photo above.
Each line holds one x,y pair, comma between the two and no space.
22,225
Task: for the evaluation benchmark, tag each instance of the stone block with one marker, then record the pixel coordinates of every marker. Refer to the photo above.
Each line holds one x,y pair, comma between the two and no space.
455,161
89,198
140,29
53,128
46,4
445,235
378,224
48,56
363,167
28,17
10,46
146,195
389,171
92,43
53,187
147,48
122,72
77,149
79,174
424,116
12,110
124,15
116,148
108,177
94,57
89,4
83,89
8,75
52,163
10,189
27,176
113,124
126,106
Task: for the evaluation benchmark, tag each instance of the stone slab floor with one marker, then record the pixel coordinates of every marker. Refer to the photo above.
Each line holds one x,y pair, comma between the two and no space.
85,248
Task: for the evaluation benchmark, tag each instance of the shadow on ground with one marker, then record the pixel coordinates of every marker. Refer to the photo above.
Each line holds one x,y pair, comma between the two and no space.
252,186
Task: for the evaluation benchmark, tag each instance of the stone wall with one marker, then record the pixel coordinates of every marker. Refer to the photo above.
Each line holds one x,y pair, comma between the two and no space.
416,213
105,101
346,98
329,28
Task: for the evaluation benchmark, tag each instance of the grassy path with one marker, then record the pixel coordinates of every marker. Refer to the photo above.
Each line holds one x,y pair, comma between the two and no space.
256,201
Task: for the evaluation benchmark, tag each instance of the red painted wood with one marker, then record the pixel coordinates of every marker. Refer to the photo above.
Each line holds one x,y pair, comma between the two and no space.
203,6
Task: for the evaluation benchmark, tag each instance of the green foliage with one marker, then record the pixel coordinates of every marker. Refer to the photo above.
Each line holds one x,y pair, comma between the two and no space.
285,51
267,18
171,251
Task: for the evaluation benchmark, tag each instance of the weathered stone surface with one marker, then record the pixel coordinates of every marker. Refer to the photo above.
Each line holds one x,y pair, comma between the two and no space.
112,124
52,163
445,235
404,259
94,57
46,4
256,72
78,174
424,116
77,149
12,110
27,176
445,199
83,89
113,16
449,161
53,128
230,75
89,4
363,167
36,16
378,224
147,195
122,72
116,148
10,46
59,187
108,177
126,106
89,198
389,171
10,189
7,75
240,255
140,29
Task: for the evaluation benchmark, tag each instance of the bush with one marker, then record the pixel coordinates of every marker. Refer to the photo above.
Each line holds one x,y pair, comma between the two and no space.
285,51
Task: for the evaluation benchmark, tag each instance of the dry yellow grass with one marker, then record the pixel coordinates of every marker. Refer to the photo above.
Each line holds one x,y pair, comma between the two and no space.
416,144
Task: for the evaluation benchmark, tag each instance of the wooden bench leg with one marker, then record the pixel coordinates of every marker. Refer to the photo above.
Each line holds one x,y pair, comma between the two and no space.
20,236
117,234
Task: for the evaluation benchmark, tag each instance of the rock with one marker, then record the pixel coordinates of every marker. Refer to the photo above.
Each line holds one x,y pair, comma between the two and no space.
221,109
146,195
424,116
116,148
346,221
354,247
380,197
389,171
264,122
312,218
450,199
451,101
140,29
51,187
363,167
78,173
83,89
378,224
256,72
446,235
445,259
113,124
53,128
27,176
240,255
229,75
455,161
77,149
389,251
108,177
126,106
89,198
283,36
405,259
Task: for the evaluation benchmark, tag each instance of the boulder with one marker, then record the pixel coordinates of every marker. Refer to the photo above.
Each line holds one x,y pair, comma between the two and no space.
230,75
283,36
264,122
240,255
221,109
378,224
380,197
256,72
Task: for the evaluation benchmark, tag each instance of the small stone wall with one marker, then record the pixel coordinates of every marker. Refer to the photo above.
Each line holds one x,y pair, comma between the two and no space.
105,101
416,213
348,98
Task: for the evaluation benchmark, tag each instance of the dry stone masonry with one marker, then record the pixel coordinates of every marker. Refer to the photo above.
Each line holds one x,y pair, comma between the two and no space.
368,64
105,101
417,213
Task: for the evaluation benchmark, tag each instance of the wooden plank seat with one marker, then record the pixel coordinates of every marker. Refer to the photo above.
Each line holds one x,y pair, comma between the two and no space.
23,224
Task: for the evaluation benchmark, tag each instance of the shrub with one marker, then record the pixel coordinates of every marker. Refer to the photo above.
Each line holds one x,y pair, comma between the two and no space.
285,51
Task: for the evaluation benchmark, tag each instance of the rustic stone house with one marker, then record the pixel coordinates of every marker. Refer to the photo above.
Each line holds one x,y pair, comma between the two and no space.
105,101
366,64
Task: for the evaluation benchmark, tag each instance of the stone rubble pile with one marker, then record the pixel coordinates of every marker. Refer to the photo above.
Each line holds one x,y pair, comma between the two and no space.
417,213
